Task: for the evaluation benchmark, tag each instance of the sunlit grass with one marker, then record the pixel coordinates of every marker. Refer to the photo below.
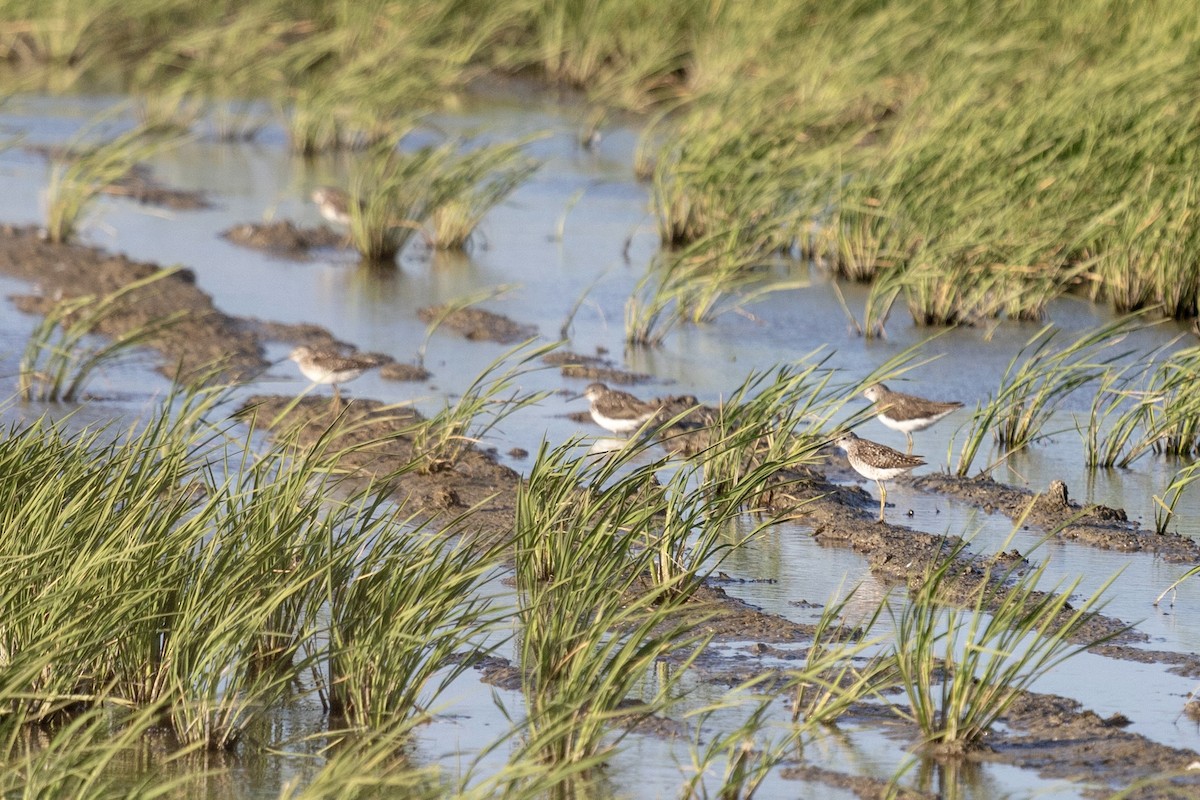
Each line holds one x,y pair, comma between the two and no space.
1037,381
87,169
60,357
961,669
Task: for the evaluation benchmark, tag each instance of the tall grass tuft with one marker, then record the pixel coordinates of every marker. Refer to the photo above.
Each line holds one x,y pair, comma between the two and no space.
1164,507
962,669
85,171
1037,380
719,273
400,617
592,626
60,357
396,194
500,171
442,440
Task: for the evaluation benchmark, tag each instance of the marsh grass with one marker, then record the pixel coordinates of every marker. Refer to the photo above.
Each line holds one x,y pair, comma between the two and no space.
737,758
498,173
1035,383
81,758
770,423
831,681
175,567
395,194
701,281
440,441
1164,506
899,139
399,620
740,757
61,355
592,626
961,669
369,764
83,174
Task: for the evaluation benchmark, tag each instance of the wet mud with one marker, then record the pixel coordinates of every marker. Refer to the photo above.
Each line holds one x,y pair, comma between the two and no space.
202,339
1049,734
138,184
284,239
1054,512
478,325
593,368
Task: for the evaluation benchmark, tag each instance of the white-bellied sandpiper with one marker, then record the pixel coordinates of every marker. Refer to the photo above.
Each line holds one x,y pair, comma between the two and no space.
905,412
333,203
876,462
328,366
616,411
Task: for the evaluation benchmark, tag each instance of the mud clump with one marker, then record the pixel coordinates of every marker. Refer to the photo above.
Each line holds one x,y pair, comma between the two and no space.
397,371
1054,511
138,184
478,325
199,340
282,238
593,368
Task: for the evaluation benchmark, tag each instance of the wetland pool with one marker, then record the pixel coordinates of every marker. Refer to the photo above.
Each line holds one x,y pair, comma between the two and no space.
581,226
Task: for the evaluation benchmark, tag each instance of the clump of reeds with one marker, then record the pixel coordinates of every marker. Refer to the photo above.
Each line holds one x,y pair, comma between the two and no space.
62,352
396,194
1036,382
719,273
592,627
495,174
85,171
173,567
440,441
400,618
769,423
961,669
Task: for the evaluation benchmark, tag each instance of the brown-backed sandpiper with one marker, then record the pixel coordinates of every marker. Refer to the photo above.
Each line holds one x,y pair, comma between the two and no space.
876,462
328,366
616,411
905,412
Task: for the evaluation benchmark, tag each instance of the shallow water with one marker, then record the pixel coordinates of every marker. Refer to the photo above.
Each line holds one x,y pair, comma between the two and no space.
591,198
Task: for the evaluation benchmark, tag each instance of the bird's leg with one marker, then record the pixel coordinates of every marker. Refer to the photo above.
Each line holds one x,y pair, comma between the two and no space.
337,399
882,498
910,442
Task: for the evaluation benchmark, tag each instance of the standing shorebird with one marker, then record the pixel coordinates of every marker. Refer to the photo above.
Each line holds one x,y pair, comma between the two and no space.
876,462
326,366
905,412
616,411
333,203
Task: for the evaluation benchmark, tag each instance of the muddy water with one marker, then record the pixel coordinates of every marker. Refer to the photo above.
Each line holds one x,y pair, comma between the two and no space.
580,225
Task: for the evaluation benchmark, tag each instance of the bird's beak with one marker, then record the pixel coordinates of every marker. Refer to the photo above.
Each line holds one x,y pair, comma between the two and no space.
572,398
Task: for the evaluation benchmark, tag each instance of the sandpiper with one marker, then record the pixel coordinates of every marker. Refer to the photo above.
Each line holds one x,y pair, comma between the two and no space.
905,412
327,366
876,462
616,411
333,203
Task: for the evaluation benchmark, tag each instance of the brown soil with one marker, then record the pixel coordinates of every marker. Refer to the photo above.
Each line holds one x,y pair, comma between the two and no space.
592,368
1046,733
479,325
863,787
1053,511
396,371
203,339
282,238
138,184
1058,738
474,480
141,185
